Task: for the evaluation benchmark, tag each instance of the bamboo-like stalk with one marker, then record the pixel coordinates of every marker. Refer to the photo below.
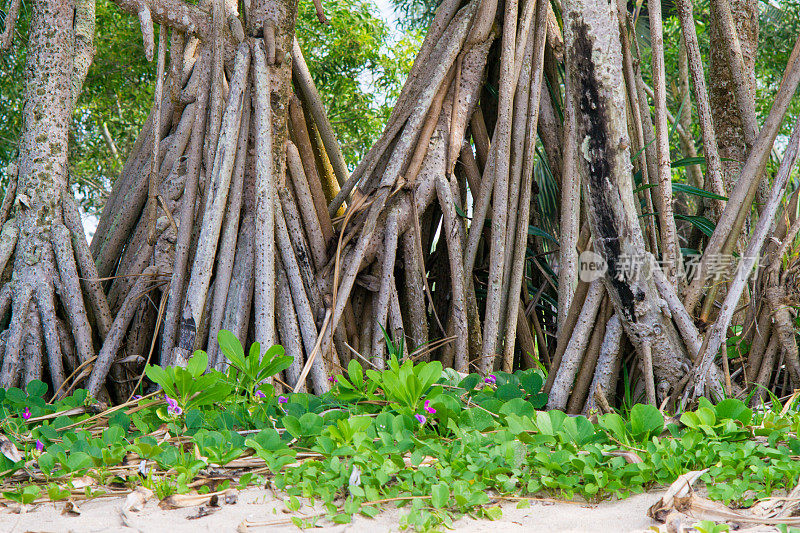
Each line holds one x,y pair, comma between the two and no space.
11,361
112,343
671,254
306,203
217,194
306,85
517,152
266,200
455,246
565,332
185,226
288,329
765,371
154,163
580,390
454,26
46,302
10,193
739,201
571,359
608,363
305,312
710,148
230,233
401,151
8,242
32,348
716,335
569,216
71,296
381,302
742,90
517,265
415,292
305,153
491,324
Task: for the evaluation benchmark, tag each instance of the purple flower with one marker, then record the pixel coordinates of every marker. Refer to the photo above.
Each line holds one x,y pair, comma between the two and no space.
260,394
428,407
282,399
421,419
333,379
39,445
172,406
26,414
491,380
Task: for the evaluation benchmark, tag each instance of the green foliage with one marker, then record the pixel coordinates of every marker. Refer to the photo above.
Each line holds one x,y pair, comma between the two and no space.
190,386
249,373
362,442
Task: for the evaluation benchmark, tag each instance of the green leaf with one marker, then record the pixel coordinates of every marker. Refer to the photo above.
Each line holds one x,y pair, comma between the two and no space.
440,494
232,348
197,364
509,391
646,419
36,388
733,409
688,161
356,373
694,191
701,223
158,375
533,230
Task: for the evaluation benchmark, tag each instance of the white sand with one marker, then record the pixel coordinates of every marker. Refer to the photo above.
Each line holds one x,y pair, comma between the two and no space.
257,505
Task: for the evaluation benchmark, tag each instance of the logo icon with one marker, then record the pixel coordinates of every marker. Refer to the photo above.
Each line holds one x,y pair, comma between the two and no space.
591,266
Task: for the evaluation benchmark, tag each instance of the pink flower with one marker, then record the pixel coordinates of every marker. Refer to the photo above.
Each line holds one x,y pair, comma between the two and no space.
428,407
421,419
39,445
282,399
26,414
172,406
333,379
260,394
491,380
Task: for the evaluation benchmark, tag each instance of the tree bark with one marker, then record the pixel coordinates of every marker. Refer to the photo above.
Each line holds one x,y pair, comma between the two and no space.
604,163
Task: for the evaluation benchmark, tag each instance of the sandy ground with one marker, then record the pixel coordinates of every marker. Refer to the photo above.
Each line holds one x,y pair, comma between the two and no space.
257,506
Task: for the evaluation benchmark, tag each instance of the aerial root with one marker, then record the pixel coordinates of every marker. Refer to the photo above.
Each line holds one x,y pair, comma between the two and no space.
23,295
118,328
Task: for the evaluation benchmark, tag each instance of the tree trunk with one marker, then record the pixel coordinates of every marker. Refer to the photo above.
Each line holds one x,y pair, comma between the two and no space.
604,164
47,256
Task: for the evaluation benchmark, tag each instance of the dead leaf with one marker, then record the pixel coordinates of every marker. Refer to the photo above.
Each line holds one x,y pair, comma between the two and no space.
137,499
681,487
680,499
630,456
179,501
71,509
83,482
201,512
426,461
8,449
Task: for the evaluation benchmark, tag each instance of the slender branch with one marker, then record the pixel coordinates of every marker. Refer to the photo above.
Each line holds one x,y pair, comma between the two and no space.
176,14
716,335
739,202
671,254
7,36
311,96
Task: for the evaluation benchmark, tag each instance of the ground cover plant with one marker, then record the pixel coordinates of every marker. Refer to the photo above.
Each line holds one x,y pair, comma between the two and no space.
436,442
